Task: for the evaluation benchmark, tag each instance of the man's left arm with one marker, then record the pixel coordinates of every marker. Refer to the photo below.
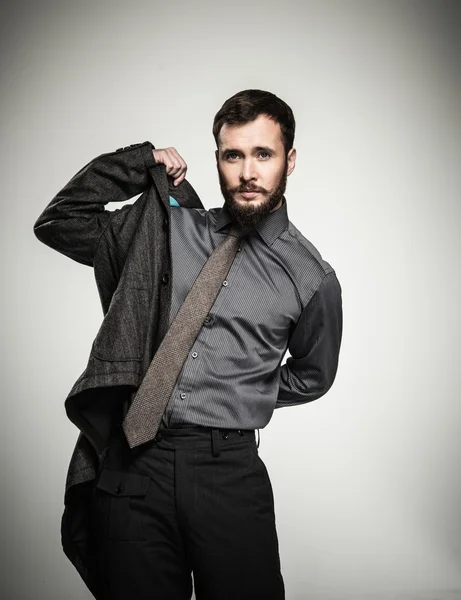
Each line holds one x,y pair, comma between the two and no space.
314,347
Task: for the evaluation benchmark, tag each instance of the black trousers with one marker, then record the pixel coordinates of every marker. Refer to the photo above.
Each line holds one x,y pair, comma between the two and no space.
195,500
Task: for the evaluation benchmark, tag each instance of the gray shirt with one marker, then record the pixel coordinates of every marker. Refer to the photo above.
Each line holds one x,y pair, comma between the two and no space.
279,294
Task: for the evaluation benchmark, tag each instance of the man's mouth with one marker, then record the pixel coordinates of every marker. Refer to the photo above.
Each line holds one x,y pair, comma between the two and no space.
249,193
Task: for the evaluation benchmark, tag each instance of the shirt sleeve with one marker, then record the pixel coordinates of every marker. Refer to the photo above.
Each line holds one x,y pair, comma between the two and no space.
314,347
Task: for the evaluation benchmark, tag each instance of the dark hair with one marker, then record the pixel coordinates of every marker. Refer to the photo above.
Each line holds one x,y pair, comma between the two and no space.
247,105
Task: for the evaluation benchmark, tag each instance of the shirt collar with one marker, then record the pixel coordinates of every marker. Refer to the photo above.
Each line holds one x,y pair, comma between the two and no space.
269,228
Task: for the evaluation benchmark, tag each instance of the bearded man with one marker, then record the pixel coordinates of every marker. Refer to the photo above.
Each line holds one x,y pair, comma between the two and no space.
193,496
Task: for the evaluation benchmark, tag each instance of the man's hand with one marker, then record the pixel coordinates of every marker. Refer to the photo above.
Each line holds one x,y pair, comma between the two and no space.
174,163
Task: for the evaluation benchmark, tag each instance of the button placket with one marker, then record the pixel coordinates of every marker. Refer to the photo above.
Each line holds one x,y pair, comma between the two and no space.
229,279
185,380
190,371
189,374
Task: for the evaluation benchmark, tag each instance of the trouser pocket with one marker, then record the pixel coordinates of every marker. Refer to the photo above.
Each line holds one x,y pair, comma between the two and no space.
120,505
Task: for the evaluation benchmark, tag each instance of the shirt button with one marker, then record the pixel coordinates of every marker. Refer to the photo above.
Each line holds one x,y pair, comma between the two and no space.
208,319
165,278
239,249
183,395
165,223
225,283
194,354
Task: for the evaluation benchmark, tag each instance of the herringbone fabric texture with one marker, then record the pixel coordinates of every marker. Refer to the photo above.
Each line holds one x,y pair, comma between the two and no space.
145,413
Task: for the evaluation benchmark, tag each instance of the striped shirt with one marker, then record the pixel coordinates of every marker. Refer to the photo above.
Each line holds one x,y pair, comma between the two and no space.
279,295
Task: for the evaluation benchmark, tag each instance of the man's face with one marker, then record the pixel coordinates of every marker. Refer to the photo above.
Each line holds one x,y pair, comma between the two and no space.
253,169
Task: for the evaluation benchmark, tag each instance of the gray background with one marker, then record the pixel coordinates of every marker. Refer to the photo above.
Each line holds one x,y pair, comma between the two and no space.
366,480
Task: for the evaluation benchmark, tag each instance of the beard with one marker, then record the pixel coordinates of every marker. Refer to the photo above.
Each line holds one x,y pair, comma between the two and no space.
246,215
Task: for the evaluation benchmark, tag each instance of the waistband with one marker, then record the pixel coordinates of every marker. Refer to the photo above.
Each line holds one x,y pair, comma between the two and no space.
198,436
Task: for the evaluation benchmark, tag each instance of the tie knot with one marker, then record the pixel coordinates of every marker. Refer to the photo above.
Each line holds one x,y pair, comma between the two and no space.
236,231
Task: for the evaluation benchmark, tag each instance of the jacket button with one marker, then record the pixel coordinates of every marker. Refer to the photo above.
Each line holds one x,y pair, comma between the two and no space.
165,278
165,223
119,489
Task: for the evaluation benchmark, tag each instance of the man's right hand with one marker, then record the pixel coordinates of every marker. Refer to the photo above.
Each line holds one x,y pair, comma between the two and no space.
174,163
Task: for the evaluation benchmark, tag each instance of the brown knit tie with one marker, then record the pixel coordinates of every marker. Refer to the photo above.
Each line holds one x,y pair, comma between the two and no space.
145,413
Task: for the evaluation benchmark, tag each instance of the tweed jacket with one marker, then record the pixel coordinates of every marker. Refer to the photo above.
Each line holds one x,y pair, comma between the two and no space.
129,250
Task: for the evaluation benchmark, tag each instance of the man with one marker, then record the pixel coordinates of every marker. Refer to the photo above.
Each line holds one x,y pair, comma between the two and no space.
197,497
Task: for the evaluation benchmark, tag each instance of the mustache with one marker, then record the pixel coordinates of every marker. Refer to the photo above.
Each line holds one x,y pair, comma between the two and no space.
247,188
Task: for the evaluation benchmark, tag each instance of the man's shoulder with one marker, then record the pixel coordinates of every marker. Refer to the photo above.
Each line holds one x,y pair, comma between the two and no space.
306,252
199,216
187,212
191,219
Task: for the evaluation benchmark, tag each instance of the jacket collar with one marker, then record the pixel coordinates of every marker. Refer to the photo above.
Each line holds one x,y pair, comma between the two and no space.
269,228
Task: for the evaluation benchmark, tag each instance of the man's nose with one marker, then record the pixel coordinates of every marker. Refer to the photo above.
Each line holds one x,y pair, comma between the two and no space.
248,170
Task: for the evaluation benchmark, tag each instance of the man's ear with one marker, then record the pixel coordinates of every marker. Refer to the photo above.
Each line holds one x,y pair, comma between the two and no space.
291,160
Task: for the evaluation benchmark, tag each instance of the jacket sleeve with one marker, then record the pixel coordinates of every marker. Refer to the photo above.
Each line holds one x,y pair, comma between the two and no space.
314,347
75,219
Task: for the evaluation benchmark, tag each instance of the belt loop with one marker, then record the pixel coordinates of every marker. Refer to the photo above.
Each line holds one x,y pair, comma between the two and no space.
258,439
215,442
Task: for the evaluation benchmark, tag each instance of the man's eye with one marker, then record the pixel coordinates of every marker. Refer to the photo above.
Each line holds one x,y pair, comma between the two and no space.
231,156
264,155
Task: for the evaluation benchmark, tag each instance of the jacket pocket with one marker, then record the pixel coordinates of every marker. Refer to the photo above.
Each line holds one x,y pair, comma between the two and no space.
124,329
121,505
